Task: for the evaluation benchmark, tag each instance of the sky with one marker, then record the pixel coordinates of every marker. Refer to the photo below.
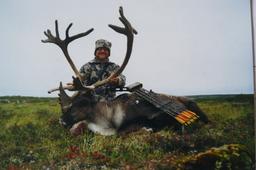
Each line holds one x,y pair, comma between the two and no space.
194,47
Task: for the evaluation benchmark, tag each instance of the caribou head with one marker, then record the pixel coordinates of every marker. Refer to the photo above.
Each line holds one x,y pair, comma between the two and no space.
75,110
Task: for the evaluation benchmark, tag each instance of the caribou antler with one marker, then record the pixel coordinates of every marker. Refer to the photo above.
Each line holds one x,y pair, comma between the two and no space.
128,31
63,44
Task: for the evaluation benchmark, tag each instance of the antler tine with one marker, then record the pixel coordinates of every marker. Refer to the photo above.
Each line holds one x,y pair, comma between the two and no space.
50,36
80,35
116,28
122,17
125,21
72,38
57,29
47,40
67,30
68,87
121,12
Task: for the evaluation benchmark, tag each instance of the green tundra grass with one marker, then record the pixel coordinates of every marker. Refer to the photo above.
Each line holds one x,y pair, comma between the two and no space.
31,138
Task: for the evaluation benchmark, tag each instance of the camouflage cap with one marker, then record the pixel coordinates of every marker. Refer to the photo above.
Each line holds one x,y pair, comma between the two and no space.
102,43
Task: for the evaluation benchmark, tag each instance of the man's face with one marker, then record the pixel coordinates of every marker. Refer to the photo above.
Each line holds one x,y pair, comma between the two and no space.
102,53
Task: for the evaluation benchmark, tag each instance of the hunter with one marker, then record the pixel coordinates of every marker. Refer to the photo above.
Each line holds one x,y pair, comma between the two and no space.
100,68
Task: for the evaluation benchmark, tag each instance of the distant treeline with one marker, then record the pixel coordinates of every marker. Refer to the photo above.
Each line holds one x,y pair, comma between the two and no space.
25,99
222,97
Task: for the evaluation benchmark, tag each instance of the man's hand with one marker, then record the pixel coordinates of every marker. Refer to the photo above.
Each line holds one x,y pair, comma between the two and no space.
77,84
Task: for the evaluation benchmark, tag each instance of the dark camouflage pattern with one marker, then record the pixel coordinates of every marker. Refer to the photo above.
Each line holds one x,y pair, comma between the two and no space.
96,70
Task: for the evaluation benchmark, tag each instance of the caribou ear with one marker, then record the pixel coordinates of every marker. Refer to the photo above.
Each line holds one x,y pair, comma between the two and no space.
64,99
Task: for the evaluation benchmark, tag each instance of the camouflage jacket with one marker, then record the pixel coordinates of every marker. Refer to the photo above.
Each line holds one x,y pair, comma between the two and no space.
96,70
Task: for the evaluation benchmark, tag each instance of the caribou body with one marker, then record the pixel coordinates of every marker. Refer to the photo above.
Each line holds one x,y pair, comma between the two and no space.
124,112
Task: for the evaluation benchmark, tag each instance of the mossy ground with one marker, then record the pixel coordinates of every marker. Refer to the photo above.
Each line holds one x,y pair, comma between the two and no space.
31,138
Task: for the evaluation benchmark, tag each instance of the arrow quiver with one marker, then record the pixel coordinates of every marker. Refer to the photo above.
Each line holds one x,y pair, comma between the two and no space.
168,105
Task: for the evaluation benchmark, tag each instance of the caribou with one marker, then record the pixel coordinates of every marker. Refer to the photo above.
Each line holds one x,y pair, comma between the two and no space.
131,109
